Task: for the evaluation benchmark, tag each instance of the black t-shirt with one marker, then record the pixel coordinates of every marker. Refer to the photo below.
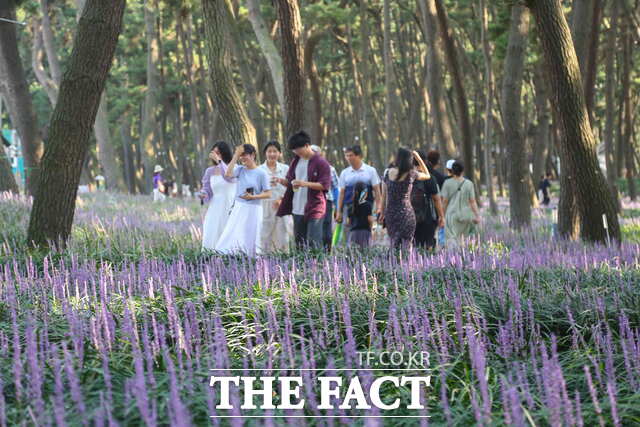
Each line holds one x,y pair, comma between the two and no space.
439,176
360,220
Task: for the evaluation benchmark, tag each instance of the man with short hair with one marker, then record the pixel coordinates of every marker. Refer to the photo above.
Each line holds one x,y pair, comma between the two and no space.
307,181
358,171
433,161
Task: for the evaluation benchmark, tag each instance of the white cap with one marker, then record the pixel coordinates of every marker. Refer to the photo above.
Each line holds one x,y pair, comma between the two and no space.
157,169
315,148
450,164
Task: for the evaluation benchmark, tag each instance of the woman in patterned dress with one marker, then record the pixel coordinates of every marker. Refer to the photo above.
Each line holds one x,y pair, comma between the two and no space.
399,216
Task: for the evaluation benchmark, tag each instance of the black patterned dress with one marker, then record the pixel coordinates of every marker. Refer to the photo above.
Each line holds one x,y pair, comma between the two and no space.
400,218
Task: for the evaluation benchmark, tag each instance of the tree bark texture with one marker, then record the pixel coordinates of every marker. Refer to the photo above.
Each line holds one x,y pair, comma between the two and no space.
610,119
518,171
593,197
72,121
7,180
464,121
150,131
269,50
489,89
237,127
435,79
293,64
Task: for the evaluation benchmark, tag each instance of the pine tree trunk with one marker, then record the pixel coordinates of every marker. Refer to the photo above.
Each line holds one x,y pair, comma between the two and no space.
15,90
314,84
237,127
7,180
610,106
488,129
368,81
149,133
197,127
390,84
72,121
627,67
464,121
541,144
435,79
593,196
269,50
591,68
127,154
518,172
106,151
251,99
293,64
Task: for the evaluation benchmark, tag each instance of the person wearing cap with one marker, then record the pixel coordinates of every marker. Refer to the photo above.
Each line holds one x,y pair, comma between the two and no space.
158,184
327,224
276,230
308,180
243,229
358,171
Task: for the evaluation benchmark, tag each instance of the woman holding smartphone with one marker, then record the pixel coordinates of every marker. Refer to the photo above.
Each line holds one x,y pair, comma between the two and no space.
243,229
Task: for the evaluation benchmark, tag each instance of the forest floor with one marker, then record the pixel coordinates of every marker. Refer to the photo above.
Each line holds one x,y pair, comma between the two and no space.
127,324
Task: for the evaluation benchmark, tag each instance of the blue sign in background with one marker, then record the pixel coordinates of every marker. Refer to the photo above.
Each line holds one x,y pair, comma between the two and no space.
17,161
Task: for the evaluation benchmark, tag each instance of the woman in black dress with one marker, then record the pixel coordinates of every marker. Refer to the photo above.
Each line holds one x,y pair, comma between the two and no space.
399,216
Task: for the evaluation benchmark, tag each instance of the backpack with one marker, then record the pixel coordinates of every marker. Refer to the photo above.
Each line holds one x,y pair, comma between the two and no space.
422,203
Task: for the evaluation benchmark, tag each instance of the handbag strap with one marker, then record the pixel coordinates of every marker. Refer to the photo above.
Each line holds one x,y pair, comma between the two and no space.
458,196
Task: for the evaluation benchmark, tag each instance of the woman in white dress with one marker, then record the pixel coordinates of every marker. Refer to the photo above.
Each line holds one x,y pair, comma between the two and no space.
276,230
243,229
218,190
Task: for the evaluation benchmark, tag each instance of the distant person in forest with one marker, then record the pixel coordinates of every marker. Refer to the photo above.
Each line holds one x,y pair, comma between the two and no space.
399,216
243,229
360,220
332,196
543,187
158,184
461,209
218,191
425,200
276,230
308,180
358,171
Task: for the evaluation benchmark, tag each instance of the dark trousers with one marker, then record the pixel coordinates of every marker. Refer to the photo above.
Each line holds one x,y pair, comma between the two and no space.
425,234
307,233
327,222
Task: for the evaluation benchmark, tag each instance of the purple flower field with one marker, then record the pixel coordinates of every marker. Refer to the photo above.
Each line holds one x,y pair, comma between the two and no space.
128,325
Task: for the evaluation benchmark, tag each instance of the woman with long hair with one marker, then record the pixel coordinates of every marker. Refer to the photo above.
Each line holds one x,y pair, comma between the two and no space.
243,229
398,212
459,199
218,190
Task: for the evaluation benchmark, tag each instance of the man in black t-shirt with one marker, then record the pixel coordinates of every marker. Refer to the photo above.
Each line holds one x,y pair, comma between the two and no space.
433,161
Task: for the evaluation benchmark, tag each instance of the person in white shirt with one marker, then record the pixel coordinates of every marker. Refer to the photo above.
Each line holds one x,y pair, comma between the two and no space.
276,231
358,171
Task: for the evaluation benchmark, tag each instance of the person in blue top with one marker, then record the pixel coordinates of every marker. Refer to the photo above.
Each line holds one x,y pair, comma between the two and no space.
244,226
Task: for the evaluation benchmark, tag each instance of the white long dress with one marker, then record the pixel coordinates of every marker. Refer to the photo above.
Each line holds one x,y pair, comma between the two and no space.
218,211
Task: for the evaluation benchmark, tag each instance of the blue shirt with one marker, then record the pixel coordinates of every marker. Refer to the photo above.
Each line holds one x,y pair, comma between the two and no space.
251,178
